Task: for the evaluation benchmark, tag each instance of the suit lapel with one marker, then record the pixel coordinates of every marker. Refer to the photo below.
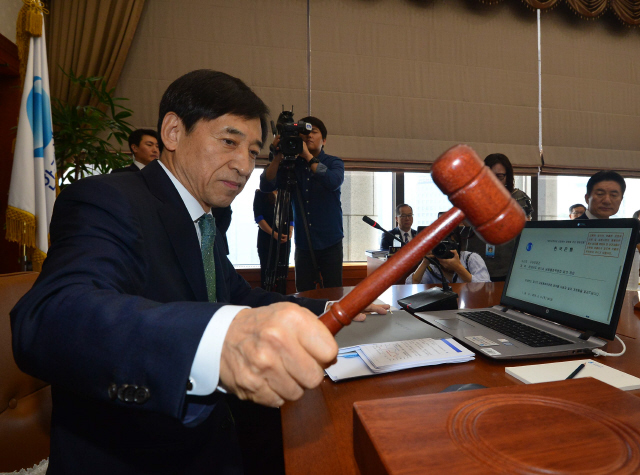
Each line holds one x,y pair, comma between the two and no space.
179,227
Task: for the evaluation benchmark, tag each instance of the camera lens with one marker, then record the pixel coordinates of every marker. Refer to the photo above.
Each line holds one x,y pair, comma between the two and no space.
443,250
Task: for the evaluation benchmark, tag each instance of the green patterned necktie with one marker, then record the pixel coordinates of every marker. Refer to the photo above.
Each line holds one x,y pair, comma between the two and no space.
207,225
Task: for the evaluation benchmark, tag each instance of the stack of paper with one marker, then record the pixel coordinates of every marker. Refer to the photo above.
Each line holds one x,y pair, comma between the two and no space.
397,355
377,358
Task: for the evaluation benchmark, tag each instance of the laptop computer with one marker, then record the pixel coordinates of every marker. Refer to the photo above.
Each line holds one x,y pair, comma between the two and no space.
565,285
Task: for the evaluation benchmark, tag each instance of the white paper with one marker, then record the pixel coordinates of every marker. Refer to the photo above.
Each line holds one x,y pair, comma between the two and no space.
392,356
420,352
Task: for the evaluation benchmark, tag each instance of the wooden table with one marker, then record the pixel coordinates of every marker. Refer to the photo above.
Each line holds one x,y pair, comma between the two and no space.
374,262
318,428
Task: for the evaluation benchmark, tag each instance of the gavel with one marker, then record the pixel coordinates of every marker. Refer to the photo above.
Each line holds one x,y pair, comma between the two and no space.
476,194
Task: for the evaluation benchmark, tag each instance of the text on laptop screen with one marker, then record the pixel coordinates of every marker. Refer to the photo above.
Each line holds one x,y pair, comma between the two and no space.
576,270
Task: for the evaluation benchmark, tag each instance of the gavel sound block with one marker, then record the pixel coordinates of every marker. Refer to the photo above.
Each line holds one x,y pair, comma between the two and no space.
476,194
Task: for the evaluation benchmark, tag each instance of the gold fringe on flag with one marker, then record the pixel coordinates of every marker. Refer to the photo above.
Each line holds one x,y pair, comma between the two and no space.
29,24
21,227
37,257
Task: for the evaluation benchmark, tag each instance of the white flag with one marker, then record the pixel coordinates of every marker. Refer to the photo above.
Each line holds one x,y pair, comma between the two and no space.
33,177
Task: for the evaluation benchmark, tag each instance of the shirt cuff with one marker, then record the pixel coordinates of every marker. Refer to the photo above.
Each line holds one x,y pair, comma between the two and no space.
321,169
205,370
328,305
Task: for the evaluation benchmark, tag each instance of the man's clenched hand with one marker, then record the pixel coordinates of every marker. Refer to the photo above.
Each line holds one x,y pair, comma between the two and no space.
271,354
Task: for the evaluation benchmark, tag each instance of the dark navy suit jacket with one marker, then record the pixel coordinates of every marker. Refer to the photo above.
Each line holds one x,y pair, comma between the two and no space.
113,323
386,241
129,168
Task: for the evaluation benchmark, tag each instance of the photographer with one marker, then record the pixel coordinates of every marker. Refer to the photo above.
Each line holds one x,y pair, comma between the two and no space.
319,178
466,267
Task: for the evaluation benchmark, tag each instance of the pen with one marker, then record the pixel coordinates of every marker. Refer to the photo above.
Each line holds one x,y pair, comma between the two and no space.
575,373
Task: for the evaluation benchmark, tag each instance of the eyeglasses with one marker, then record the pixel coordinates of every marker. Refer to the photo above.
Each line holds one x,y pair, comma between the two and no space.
501,176
405,216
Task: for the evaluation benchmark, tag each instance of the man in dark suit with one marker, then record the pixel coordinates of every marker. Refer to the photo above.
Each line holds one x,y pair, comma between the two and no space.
605,191
577,210
139,320
143,144
404,220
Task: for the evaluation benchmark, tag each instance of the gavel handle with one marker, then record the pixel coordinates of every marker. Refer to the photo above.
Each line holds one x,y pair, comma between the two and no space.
341,313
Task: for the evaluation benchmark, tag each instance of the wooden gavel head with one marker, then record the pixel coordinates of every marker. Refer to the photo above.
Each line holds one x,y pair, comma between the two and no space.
473,188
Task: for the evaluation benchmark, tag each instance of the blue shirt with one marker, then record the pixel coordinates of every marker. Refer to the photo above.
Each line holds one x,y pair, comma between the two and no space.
321,199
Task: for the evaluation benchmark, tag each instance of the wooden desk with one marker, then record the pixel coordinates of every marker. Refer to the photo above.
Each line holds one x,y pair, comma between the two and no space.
374,262
318,428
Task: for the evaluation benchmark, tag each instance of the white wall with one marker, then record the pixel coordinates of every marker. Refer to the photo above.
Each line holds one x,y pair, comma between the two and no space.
8,16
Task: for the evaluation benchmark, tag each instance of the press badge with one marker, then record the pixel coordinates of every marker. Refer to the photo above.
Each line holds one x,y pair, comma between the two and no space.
490,251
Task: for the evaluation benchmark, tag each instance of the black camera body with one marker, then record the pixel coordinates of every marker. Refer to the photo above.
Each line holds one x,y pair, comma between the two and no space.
289,131
444,248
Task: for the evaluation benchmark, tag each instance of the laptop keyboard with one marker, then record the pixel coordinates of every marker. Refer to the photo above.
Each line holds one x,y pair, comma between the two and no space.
518,331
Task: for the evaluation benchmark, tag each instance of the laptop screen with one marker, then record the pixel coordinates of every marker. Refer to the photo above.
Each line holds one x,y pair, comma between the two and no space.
573,272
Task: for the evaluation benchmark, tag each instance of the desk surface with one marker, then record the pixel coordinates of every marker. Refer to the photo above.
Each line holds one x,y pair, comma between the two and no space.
318,428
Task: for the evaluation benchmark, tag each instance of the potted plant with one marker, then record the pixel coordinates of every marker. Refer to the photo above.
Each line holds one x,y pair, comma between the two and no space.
85,136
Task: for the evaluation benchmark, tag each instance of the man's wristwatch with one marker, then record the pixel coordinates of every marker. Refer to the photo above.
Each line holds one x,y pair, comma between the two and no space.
312,161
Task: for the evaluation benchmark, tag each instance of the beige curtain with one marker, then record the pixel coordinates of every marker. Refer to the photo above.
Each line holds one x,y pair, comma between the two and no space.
590,98
92,38
264,43
397,82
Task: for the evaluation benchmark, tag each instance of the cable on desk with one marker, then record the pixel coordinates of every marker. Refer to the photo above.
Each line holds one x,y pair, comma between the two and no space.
599,352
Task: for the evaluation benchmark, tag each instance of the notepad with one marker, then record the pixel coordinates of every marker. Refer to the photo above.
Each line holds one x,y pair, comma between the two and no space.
542,373
367,360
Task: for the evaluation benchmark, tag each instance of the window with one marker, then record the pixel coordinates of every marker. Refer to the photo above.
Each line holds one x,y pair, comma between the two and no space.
363,194
427,200
424,196
557,193
243,232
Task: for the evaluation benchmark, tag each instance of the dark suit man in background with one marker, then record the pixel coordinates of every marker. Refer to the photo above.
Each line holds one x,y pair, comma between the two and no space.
404,220
143,144
605,191
577,210
139,320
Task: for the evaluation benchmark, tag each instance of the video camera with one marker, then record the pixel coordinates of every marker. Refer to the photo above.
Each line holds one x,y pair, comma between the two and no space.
289,131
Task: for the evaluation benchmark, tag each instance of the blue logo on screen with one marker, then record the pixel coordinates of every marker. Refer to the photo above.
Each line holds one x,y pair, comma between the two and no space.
529,246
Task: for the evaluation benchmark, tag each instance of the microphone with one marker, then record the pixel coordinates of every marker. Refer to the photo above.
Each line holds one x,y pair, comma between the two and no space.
445,285
374,224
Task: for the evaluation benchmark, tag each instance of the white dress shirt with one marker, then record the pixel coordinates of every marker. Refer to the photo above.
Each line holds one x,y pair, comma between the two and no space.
205,370
408,237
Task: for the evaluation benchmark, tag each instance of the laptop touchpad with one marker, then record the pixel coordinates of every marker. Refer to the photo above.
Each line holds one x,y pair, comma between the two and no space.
453,323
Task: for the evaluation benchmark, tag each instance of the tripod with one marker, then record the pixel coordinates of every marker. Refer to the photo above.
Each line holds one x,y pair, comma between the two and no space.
277,266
